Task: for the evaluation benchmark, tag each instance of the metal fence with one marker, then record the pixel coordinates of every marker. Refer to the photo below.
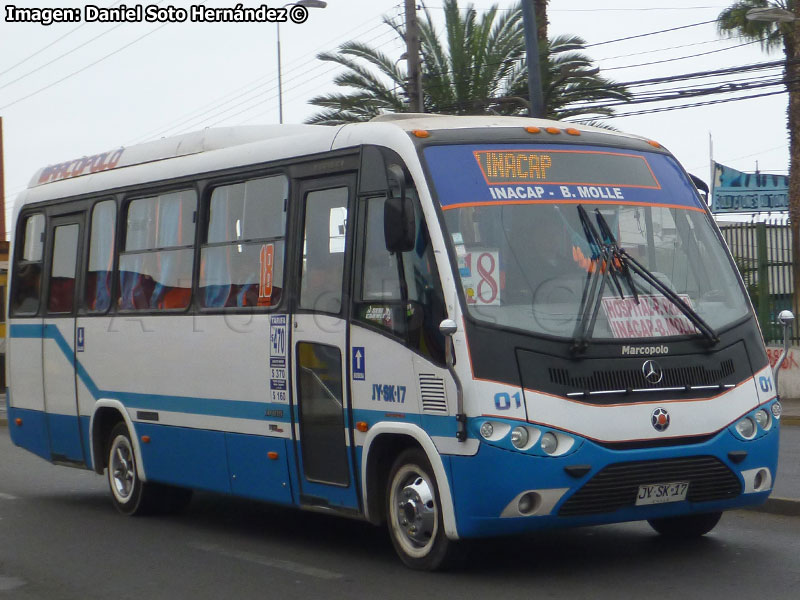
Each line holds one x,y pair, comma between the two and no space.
763,253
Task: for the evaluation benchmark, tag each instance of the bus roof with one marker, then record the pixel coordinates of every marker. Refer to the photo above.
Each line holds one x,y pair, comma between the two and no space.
171,147
225,147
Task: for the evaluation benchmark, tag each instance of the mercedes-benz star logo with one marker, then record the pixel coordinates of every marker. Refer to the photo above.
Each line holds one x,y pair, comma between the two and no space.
652,372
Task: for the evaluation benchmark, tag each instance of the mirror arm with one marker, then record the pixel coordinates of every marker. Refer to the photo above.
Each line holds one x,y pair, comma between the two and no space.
448,328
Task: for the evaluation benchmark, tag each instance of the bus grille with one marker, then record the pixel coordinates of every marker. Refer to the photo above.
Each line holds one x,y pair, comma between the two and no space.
617,486
625,379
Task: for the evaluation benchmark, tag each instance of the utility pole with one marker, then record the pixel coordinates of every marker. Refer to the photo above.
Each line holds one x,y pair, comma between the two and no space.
532,52
412,57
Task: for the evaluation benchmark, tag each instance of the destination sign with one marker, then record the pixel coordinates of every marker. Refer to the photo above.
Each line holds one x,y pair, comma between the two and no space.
484,174
565,166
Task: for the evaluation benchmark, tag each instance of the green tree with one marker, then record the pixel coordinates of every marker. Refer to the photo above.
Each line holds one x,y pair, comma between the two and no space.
477,67
786,37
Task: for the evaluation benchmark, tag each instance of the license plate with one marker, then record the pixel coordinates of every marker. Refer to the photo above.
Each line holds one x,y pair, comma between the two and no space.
659,493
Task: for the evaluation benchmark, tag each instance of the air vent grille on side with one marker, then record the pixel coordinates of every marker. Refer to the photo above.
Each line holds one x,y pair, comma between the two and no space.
432,392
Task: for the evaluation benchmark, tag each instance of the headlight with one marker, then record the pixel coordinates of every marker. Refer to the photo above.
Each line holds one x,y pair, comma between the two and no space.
746,428
763,419
549,443
487,429
519,437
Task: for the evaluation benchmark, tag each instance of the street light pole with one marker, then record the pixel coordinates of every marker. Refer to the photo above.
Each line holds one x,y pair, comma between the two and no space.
306,4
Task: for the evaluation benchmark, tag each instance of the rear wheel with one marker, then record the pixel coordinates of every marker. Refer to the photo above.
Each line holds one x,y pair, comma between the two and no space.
687,526
414,514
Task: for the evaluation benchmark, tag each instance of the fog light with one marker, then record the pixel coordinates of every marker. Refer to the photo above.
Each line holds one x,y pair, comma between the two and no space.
758,482
777,409
528,503
746,428
519,437
763,419
487,430
549,443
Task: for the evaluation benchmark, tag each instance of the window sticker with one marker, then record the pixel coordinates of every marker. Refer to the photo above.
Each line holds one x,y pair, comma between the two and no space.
267,262
653,316
480,276
278,342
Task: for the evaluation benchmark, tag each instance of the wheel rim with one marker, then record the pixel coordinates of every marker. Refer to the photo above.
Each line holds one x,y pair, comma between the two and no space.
414,517
122,469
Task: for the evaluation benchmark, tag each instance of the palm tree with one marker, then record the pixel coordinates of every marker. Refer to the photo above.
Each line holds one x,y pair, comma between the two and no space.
479,68
774,36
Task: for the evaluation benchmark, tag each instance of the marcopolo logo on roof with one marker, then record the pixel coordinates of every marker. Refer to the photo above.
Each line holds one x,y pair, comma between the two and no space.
80,166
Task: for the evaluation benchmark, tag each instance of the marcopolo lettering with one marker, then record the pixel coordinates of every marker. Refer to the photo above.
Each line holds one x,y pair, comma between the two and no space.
80,166
644,350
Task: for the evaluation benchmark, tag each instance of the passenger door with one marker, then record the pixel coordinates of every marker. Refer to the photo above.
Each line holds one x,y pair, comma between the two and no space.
321,391
64,243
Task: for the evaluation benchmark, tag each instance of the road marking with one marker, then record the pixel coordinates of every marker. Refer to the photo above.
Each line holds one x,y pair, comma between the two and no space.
7,496
10,583
284,565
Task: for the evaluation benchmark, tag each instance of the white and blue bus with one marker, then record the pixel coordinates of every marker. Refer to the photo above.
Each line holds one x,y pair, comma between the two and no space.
456,326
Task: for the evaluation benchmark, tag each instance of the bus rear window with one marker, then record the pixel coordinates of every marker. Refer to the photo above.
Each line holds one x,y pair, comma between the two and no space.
28,278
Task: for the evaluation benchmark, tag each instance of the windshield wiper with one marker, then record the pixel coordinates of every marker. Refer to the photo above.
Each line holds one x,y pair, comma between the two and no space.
616,263
587,312
628,263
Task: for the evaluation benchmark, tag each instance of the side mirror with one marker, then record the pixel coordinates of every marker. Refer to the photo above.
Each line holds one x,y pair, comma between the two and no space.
700,184
399,224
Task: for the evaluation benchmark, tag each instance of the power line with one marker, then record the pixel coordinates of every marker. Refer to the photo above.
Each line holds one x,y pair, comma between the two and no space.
629,55
641,35
667,60
207,117
51,44
210,110
65,54
90,65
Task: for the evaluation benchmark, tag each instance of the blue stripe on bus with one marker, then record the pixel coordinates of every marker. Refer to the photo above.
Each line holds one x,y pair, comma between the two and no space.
214,407
240,409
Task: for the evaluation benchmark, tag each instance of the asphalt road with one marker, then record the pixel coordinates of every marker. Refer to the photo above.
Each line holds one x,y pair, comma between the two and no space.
60,538
787,482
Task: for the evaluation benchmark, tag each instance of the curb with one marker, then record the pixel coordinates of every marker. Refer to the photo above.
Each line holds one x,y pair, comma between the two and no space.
786,420
787,507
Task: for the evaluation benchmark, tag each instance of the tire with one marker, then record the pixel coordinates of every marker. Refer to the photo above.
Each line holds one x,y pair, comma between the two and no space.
687,526
414,514
130,495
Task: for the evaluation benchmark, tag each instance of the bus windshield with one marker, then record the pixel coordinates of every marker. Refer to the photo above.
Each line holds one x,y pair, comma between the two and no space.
527,259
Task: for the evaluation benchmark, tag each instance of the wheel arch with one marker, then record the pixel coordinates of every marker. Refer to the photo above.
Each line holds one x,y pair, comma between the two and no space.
107,413
382,444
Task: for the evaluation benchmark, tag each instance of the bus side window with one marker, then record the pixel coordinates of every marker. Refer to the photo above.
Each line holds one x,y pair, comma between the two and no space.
241,263
380,303
28,269
155,269
101,256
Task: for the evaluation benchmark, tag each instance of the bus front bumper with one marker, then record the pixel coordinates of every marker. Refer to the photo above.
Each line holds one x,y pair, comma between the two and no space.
500,491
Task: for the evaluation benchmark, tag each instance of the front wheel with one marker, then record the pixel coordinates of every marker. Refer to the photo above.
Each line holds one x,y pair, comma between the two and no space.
131,495
687,526
414,514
